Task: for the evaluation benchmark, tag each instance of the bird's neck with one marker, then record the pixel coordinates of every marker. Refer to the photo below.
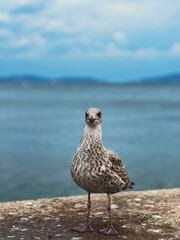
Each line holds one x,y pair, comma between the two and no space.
92,137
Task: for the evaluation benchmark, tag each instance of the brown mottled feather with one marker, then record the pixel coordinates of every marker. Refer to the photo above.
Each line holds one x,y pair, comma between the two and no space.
119,168
96,169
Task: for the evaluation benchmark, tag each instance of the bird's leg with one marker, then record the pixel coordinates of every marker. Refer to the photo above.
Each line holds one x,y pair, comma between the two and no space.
87,227
110,230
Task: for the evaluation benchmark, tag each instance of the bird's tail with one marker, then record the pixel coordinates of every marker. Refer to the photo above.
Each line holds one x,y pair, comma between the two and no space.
131,186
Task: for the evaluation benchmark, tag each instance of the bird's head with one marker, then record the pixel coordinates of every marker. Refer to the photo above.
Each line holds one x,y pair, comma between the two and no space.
93,117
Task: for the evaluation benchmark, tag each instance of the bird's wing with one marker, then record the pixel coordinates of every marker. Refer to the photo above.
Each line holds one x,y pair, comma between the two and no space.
118,167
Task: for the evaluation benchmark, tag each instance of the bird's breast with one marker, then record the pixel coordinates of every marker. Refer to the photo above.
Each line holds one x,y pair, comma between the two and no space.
88,167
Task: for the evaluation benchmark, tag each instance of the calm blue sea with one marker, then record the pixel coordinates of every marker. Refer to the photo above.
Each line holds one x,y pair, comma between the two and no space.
41,126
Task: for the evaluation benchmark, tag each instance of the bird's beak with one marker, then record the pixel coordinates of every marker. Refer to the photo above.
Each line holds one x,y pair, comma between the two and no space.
91,119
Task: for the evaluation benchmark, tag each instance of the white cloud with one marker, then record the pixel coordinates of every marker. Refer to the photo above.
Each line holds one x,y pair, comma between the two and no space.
18,43
8,5
113,51
103,26
147,53
175,49
119,36
96,17
4,17
65,41
144,53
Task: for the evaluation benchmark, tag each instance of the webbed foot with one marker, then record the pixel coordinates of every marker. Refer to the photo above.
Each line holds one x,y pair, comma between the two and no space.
86,228
109,231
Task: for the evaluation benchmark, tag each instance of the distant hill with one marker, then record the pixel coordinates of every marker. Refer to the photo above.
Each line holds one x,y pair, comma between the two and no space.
78,80
173,78
35,79
20,79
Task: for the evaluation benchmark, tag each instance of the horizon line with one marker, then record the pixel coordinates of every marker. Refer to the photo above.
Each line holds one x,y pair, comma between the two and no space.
81,79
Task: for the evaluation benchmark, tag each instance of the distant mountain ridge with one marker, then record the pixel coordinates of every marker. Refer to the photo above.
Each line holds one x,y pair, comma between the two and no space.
173,78
36,79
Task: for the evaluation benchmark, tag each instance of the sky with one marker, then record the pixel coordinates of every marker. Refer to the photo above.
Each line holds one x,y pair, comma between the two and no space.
112,40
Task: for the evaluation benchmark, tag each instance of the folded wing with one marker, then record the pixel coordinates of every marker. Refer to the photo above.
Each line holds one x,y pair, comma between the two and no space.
118,167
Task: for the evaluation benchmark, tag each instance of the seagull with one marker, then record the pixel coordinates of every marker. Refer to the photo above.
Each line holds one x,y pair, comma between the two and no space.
97,169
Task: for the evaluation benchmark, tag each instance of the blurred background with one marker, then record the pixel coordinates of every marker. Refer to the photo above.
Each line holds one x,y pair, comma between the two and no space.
60,57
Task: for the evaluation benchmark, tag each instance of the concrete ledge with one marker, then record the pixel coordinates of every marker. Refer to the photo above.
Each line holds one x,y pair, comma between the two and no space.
148,215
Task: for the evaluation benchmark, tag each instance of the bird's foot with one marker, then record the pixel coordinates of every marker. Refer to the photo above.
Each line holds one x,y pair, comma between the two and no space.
109,231
86,228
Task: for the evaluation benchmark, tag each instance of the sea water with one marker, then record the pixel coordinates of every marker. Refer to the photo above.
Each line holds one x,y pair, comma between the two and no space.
41,126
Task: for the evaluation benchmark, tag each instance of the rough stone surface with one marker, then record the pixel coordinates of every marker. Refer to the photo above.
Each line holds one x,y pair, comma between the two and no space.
148,215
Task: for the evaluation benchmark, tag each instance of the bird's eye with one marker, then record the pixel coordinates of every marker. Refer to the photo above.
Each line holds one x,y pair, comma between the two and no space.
86,114
99,114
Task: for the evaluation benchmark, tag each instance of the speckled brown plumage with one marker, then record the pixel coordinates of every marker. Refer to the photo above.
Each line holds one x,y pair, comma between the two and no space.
95,168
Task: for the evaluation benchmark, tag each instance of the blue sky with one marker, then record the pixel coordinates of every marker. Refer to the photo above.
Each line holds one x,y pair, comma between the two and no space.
115,40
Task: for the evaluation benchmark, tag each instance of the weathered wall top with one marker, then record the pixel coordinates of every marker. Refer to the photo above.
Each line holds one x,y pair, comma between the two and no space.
148,215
